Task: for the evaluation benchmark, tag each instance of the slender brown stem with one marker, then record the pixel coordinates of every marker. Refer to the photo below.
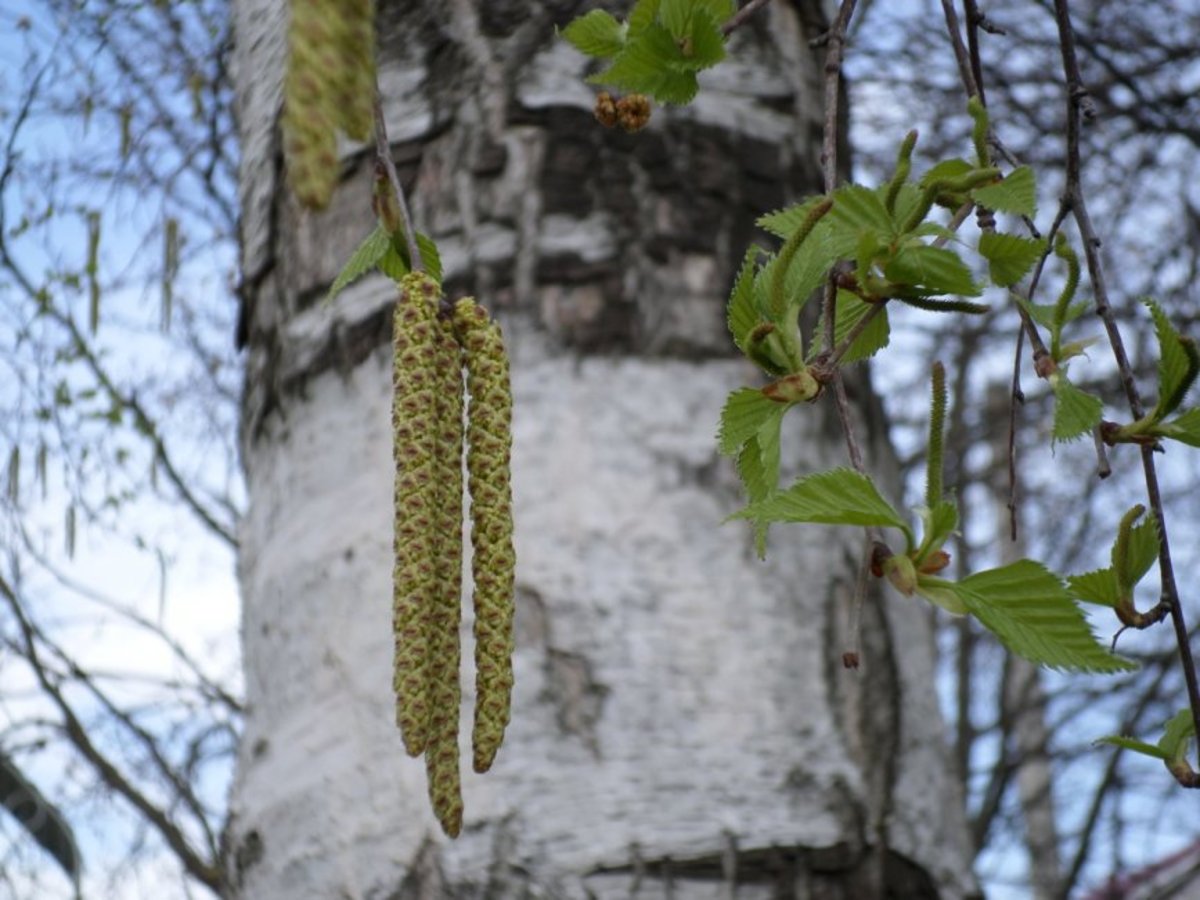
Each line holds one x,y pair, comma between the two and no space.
739,18
383,152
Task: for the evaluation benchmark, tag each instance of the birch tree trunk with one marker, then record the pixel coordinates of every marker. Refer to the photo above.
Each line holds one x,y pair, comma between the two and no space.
682,723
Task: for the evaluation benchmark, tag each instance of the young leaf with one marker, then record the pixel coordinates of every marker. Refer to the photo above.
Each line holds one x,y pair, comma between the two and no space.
849,312
675,16
1141,551
707,44
783,222
1128,743
365,258
1016,194
718,9
758,467
596,34
742,313
1177,364
1184,428
1027,607
1099,587
430,258
932,269
837,497
937,524
1009,256
642,16
1179,730
1043,313
745,412
857,209
645,66
1076,412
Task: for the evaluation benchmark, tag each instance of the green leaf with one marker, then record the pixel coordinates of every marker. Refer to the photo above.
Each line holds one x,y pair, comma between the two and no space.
675,16
1176,367
1143,549
758,467
857,209
837,497
1009,257
707,46
1179,730
362,260
1043,313
1076,412
947,169
642,16
1128,743
645,66
596,34
933,269
1099,587
937,524
1027,607
782,222
745,412
1184,428
394,262
849,312
718,9
742,312
806,273
906,204
1016,194
430,257
941,592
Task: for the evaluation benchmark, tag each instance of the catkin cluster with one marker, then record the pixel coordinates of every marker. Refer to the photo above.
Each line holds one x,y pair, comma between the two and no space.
431,351
330,86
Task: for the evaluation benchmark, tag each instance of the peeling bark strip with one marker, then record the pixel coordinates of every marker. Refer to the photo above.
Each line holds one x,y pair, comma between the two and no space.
493,564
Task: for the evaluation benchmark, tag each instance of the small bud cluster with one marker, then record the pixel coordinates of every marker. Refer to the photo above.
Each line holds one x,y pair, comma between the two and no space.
330,85
430,353
632,113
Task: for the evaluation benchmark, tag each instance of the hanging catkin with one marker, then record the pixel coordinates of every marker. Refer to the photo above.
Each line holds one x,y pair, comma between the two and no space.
489,444
443,689
414,440
330,84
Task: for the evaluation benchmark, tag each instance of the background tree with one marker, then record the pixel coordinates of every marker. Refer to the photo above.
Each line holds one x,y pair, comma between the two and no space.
681,714
118,212
1092,808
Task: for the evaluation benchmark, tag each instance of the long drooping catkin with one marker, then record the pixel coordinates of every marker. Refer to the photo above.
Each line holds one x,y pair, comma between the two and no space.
330,84
445,614
415,433
309,104
489,445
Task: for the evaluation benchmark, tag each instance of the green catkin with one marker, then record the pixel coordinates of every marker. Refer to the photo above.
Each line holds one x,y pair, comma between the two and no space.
489,444
330,84
355,75
442,673
937,428
414,426
309,104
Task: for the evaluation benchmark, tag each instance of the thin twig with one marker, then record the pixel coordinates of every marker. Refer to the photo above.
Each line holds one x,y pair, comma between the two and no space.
739,18
383,153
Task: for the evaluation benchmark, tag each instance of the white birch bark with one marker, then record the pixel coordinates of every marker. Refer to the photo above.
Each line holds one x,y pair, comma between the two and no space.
682,725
